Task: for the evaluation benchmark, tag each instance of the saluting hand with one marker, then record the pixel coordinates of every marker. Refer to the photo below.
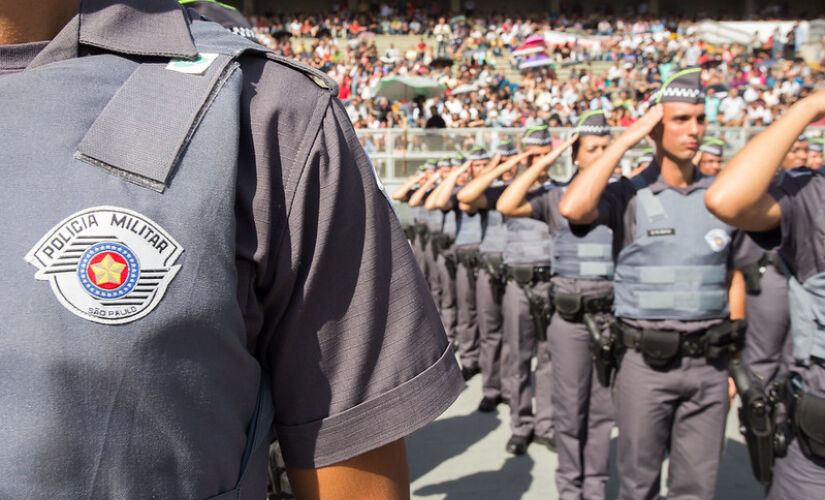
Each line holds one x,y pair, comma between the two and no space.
642,127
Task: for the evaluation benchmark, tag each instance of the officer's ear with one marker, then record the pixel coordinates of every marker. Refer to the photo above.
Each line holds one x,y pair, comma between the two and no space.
657,132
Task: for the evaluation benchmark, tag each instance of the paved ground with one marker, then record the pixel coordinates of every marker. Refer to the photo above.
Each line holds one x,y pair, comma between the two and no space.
461,456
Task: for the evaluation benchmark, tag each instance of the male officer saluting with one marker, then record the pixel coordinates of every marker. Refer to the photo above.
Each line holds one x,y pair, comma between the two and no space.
671,298
710,156
747,196
176,192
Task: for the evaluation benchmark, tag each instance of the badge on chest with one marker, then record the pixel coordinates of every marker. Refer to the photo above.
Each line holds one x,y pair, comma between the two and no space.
106,264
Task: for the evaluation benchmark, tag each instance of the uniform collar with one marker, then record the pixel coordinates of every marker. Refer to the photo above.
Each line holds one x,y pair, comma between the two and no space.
155,28
653,177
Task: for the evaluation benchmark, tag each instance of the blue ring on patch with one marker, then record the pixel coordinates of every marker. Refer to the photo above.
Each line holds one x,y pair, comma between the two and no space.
101,293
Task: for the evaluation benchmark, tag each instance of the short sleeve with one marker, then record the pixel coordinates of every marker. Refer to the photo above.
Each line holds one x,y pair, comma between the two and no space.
612,207
492,194
355,348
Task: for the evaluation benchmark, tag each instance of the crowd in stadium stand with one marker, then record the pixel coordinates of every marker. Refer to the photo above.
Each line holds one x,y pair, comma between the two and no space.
749,85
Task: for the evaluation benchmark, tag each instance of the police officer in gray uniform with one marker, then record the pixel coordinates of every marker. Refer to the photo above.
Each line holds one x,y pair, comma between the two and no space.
768,347
490,281
746,195
417,224
582,272
434,223
468,234
673,262
444,252
166,269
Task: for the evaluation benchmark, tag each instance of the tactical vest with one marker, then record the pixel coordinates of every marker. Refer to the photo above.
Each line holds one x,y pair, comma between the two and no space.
122,343
588,257
495,233
528,242
676,267
468,231
435,220
449,224
807,311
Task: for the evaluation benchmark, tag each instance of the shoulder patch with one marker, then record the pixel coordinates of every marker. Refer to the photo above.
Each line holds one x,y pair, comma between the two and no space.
320,78
108,265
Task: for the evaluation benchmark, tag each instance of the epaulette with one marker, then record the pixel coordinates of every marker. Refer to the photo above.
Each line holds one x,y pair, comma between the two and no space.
320,78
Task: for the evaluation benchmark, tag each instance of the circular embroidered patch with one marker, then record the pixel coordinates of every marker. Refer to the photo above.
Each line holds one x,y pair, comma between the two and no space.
107,264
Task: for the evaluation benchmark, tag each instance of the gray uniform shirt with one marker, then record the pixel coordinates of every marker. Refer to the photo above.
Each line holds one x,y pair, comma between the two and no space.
353,366
801,240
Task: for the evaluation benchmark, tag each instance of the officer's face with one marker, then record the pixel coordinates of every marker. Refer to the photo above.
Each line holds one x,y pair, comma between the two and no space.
477,166
797,156
710,164
537,152
591,147
681,130
510,174
444,171
814,159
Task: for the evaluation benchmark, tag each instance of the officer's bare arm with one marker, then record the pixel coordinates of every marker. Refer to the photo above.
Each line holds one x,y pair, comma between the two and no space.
380,474
736,294
417,199
578,205
739,194
401,193
513,201
430,203
493,163
473,193
443,200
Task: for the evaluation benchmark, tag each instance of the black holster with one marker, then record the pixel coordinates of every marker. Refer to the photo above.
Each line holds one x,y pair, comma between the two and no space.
450,263
541,309
410,232
496,278
470,261
602,350
757,421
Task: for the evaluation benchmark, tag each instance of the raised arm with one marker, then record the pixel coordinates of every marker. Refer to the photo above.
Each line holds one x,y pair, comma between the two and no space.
579,203
443,198
401,193
739,195
513,201
417,199
493,163
473,193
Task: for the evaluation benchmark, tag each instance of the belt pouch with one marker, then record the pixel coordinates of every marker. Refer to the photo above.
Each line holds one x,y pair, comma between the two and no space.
522,275
659,347
809,420
568,305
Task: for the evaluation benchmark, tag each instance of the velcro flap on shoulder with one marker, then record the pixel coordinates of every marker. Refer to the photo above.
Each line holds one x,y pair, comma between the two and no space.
145,127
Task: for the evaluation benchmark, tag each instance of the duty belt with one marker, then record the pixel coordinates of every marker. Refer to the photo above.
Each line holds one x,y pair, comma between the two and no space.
571,306
660,347
527,275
